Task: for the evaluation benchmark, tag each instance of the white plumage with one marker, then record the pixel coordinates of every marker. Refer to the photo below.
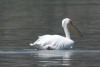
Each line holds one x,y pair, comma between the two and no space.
55,41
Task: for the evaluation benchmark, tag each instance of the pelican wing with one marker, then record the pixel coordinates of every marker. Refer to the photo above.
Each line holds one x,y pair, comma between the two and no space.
54,41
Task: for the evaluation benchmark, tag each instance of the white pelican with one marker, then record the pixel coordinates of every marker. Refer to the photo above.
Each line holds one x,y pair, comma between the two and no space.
47,42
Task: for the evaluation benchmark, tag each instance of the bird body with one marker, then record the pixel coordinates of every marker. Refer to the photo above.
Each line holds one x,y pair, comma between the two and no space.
57,41
54,41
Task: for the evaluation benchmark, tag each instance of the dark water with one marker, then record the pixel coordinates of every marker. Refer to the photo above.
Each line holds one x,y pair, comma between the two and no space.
50,58
22,21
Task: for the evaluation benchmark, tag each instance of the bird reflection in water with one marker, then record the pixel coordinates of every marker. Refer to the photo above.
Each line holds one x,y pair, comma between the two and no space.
54,57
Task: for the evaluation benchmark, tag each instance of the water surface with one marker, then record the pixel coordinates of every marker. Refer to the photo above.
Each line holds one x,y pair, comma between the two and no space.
22,21
50,58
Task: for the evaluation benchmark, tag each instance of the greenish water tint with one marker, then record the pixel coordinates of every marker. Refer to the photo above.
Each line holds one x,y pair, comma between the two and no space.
33,51
22,21
50,58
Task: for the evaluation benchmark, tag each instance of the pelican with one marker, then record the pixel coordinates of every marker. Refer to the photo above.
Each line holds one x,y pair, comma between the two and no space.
57,42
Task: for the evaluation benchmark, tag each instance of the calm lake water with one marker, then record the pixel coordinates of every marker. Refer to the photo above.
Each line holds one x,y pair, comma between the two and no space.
50,58
22,21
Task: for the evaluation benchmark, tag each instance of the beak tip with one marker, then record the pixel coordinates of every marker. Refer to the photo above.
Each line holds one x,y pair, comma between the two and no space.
81,35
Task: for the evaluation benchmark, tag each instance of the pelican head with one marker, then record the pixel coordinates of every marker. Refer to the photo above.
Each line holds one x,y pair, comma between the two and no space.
67,22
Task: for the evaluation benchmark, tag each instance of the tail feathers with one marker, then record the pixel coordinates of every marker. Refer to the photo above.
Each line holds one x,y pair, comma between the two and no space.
31,44
36,46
